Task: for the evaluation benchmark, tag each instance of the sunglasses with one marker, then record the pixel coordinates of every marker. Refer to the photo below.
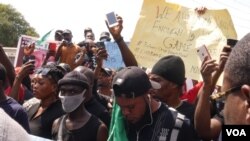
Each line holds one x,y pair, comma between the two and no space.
222,95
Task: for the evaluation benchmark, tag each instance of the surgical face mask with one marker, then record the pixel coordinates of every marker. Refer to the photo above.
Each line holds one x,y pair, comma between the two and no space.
70,103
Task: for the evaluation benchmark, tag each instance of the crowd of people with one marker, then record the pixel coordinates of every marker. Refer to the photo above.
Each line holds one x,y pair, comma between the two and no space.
74,97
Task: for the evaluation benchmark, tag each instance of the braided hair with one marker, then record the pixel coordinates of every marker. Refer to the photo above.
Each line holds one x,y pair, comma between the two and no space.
51,71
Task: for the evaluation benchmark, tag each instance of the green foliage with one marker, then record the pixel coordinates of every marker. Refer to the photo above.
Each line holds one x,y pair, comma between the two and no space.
12,25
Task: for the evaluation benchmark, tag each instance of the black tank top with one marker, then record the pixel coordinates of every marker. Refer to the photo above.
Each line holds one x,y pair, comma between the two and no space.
87,133
41,126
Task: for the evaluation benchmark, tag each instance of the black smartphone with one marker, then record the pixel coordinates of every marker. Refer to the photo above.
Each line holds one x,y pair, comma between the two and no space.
100,44
32,59
232,42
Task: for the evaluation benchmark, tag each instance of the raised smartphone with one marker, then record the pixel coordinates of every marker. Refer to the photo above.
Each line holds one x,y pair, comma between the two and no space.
111,19
203,52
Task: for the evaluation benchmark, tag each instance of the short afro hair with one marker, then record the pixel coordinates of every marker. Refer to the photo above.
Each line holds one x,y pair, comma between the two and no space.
237,67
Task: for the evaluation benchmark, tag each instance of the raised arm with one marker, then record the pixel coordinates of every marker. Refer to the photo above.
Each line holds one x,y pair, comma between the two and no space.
200,10
205,127
223,59
100,55
8,65
127,56
26,69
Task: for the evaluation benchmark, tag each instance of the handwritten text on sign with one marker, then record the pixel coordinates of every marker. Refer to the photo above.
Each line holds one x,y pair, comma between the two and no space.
166,28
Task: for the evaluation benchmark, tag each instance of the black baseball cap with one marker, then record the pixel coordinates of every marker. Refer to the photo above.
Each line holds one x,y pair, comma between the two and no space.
67,31
131,82
105,35
106,71
58,32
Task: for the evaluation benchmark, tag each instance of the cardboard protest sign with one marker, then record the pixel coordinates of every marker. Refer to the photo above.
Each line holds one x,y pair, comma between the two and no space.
165,28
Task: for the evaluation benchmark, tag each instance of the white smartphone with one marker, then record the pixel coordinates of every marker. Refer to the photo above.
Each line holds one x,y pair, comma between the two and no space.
203,52
111,19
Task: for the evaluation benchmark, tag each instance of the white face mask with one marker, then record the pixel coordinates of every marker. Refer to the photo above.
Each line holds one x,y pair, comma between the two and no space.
70,103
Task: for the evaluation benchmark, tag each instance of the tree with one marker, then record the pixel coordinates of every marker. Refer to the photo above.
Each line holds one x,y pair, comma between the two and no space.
12,25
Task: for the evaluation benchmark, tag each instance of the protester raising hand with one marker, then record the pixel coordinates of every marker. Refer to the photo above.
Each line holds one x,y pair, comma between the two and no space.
116,30
223,59
207,68
127,56
209,127
224,56
200,10
25,70
100,55
202,112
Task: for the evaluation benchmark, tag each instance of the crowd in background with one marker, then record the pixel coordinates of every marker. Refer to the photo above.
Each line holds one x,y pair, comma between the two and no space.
73,97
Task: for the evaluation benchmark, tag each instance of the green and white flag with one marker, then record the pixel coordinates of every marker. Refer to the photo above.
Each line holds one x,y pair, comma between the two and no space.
43,39
117,130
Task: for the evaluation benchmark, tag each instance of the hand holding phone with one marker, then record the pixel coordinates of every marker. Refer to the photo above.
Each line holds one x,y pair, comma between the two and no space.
32,59
203,52
111,19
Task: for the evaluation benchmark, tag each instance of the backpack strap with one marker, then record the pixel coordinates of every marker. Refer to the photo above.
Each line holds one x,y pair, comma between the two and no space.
179,119
60,130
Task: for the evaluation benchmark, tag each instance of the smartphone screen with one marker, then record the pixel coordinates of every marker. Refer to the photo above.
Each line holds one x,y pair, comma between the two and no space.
203,52
111,18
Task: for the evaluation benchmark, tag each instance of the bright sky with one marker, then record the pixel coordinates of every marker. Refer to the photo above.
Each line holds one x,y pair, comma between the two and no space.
76,15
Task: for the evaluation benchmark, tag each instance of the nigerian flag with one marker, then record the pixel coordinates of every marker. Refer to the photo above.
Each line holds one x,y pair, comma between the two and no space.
117,130
44,38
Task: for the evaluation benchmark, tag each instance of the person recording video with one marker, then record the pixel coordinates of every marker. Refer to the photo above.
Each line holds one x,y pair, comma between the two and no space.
92,48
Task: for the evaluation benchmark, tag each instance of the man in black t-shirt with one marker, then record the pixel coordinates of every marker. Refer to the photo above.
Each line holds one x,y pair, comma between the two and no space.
146,118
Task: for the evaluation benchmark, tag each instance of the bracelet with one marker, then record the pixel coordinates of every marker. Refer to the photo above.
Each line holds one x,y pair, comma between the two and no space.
119,40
